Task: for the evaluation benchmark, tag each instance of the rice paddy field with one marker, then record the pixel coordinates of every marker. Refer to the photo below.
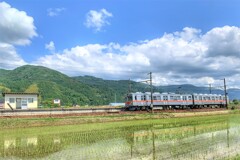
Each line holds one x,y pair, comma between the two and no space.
190,138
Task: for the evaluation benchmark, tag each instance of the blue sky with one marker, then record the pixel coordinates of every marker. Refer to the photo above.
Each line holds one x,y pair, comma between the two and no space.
180,41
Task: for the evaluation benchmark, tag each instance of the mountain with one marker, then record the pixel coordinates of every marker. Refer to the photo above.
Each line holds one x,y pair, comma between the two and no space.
115,90
3,72
83,90
52,84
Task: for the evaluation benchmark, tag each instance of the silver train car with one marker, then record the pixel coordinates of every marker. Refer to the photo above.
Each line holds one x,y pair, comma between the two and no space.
142,101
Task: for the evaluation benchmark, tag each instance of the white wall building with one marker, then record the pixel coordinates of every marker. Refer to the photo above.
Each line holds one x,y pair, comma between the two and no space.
20,100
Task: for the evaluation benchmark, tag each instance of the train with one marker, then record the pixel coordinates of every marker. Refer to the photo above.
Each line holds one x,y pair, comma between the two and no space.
142,101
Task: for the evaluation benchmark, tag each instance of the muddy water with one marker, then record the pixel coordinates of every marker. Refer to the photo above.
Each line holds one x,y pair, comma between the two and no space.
215,137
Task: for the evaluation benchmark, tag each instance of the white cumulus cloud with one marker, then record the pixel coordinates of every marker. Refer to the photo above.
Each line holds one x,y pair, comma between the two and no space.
9,59
97,19
50,46
16,28
223,41
52,12
187,56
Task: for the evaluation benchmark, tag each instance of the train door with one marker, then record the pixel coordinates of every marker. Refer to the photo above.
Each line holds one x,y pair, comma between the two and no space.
190,100
129,100
184,100
201,101
144,100
165,100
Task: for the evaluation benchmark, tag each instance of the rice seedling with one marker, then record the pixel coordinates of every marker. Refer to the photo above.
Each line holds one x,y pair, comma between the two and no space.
211,137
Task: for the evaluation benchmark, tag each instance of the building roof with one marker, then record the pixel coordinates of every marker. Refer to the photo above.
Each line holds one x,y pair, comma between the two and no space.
22,93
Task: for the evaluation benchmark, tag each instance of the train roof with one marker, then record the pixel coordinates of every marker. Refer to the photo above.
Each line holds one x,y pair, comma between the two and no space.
171,93
201,94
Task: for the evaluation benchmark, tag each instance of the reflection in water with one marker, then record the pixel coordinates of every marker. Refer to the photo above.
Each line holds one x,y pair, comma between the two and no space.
215,139
8,143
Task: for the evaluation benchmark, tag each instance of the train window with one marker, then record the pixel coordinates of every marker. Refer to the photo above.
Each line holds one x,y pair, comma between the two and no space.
213,98
165,97
184,97
200,98
171,97
129,98
178,98
195,97
174,97
220,98
216,98
135,97
158,98
143,98
189,97
154,98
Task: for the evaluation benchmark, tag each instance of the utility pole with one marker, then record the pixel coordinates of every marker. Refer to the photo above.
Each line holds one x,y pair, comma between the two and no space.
210,88
151,90
225,91
151,87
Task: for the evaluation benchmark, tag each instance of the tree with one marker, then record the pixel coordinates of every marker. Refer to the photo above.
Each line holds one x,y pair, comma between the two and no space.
32,89
235,101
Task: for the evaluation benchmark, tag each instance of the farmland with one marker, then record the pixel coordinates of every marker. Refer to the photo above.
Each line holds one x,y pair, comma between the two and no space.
123,136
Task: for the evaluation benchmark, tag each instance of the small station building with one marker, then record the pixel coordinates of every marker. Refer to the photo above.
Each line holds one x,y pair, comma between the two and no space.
20,100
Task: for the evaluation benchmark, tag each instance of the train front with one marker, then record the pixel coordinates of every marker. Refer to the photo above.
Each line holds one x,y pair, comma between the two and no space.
129,100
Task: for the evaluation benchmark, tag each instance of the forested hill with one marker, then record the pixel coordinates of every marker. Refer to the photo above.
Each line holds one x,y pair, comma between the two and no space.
52,84
115,90
82,90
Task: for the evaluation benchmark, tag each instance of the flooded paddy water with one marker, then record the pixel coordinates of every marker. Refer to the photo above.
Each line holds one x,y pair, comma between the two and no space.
210,137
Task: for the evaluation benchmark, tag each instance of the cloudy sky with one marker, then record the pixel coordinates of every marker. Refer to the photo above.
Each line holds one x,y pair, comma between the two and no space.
182,42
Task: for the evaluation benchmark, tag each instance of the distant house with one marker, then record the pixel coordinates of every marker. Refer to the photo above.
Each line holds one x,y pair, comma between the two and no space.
20,100
1,103
57,102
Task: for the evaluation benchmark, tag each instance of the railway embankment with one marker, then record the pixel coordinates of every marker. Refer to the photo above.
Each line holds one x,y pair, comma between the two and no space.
63,112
